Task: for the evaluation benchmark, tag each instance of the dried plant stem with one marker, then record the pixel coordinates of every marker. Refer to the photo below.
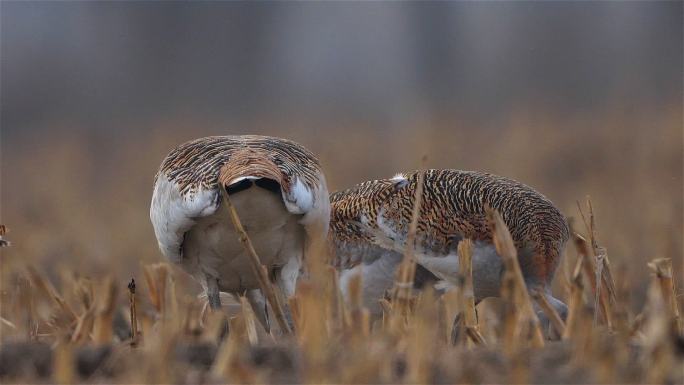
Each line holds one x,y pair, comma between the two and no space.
46,287
226,363
134,312
258,269
466,271
662,268
601,300
590,271
174,342
575,302
215,326
105,313
657,328
24,306
313,336
155,277
465,263
597,268
336,306
510,322
63,363
357,317
506,249
607,276
599,252
8,323
407,268
422,336
250,321
192,319
550,311
474,334
451,308
84,326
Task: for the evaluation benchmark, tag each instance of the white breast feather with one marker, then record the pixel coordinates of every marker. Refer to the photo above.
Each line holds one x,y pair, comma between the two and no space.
172,214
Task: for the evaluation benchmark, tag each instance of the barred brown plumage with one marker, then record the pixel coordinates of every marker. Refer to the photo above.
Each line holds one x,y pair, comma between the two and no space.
196,164
375,216
454,208
279,191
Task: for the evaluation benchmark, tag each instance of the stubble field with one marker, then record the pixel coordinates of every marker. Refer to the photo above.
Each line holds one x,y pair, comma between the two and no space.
76,207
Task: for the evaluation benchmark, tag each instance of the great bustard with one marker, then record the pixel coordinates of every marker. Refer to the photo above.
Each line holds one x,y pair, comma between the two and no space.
279,191
370,222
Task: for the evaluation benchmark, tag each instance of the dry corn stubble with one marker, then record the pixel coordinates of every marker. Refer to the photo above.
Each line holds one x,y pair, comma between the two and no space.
176,339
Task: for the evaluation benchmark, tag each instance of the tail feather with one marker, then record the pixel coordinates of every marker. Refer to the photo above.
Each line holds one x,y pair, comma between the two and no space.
250,165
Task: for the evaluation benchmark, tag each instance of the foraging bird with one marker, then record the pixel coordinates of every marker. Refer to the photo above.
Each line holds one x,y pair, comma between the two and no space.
369,226
279,192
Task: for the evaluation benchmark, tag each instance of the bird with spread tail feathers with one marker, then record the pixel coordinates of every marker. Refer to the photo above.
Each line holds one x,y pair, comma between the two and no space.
370,222
279,191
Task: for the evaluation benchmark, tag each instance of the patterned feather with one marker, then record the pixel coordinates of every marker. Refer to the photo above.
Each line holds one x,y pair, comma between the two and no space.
453,208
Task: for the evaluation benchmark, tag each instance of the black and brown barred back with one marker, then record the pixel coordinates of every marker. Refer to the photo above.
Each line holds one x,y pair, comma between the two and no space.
196,165
453,208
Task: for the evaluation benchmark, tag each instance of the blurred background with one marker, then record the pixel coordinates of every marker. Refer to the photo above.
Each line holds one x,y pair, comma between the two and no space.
572,98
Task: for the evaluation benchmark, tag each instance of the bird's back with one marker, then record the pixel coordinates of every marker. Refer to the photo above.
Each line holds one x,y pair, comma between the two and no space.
453,208
196,165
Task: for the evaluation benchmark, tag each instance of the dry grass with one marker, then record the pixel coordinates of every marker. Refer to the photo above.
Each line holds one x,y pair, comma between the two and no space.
83,334
80,232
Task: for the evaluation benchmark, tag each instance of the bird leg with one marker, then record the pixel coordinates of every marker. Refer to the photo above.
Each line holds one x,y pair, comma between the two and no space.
213,294
286,279
458,328
552,313
258,303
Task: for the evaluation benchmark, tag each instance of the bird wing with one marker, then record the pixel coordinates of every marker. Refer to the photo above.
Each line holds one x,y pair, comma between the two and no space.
173,214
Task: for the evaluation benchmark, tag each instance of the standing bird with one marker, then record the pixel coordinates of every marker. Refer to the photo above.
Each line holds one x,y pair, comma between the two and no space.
369,226
279,191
